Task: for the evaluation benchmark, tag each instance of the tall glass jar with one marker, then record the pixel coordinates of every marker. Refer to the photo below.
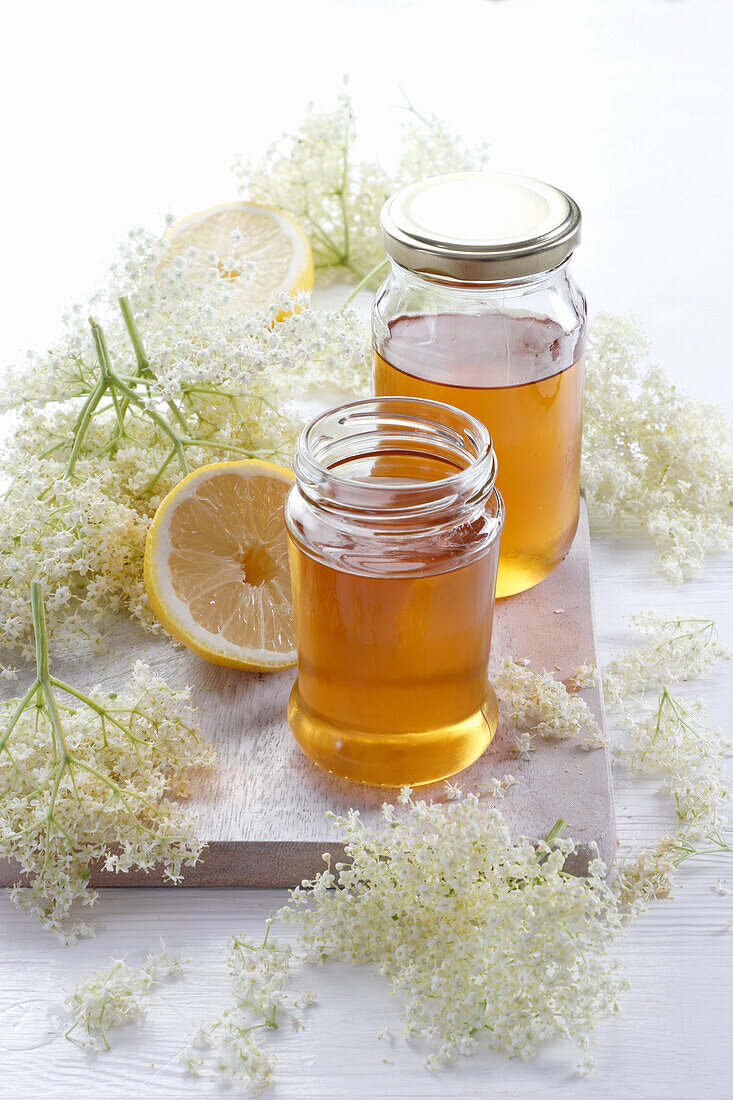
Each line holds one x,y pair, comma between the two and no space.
394,527
480,310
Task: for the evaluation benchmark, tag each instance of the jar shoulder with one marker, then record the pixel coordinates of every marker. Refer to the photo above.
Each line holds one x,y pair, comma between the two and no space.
494,335
555,296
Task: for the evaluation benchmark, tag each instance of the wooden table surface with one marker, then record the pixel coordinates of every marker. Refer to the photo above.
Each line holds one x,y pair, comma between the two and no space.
625,104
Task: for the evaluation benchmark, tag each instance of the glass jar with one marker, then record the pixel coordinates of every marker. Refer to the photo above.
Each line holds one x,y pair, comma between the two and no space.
480,310
394,527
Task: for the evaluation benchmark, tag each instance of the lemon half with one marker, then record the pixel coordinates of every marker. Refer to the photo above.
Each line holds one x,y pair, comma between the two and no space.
216,565
271,239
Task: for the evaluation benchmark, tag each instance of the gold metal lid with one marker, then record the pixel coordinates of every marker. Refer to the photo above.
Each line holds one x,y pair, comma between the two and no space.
480,226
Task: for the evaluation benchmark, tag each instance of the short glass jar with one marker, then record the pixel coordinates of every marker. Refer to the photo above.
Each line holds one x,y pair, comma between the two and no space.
480,310
394,527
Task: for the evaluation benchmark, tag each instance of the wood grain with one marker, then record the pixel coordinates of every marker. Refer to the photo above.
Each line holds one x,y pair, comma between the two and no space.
263,809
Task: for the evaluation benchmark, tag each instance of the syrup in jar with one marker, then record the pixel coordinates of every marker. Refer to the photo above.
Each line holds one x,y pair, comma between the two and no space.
394,527
480,311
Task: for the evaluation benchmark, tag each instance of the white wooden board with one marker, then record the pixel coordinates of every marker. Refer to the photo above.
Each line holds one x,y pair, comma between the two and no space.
263,808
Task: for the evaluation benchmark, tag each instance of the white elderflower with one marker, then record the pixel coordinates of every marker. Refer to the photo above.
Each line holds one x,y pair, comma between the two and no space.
584,676
108,421
647,877
336,197
653,457
538,705
89,777
116,996
676,649
720,888
483,938
231,1046
672,738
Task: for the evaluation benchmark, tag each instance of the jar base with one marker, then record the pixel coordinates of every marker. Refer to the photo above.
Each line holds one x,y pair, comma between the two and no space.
513,578
392,760
518,573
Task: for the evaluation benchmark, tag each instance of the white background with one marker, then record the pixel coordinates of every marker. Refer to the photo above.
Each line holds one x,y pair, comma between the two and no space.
114,114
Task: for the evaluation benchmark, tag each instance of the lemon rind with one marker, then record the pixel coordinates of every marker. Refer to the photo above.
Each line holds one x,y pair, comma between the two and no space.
172,612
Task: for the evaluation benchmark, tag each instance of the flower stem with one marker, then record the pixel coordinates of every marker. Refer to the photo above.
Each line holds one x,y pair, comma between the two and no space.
87,411
557,830
40,630
366,280
113,380
22,704
43,674
160,421
143,365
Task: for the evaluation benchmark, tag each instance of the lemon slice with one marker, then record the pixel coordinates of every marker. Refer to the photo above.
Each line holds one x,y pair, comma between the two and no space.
216,565
271,239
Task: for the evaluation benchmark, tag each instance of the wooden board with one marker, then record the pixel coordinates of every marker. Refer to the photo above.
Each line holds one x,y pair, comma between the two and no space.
263,809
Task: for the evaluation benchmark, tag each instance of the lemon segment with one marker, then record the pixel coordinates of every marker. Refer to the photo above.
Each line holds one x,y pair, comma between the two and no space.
271,239
216,565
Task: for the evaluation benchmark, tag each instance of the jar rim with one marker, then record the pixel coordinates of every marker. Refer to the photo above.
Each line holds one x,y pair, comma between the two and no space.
392,425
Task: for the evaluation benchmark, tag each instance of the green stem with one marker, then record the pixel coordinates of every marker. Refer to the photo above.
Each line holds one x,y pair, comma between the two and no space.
42,670
157,475
702,852
410,108
104,713
109,378
143,364
50,450
367,279
342,198
40,630
345,220
157,419
87,411
44,682
344,261
189,441
22,704
557,830
71,690
120,409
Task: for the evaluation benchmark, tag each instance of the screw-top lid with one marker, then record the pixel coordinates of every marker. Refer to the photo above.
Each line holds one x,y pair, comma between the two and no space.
480,226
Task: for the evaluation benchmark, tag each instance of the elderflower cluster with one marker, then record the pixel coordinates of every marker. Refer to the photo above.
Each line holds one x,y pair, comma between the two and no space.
653,457
676,649
116,996
585,676
537,705
186,382
673,737
90,778
485,940
337,197
670,737
84,544
230,1046
647,877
